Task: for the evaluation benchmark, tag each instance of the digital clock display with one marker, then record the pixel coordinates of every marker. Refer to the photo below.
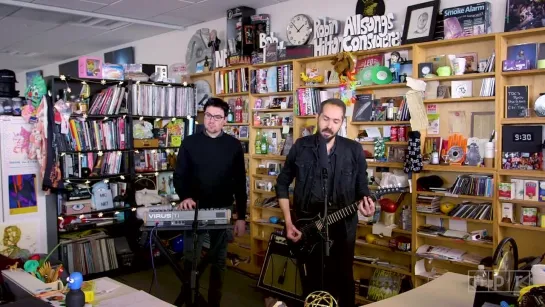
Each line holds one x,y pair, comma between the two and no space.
523,137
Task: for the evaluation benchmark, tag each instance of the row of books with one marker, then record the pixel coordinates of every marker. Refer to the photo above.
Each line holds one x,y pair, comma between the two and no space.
95,135
473,185
108,101
91,256
109,163
488,87
471,210
308,100
273,79
166,101
231,81
153,160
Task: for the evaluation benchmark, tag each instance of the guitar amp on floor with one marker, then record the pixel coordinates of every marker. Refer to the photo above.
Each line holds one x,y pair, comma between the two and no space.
280,273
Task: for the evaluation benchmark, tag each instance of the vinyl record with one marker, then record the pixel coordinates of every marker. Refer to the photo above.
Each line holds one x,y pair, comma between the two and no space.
364,76
381,75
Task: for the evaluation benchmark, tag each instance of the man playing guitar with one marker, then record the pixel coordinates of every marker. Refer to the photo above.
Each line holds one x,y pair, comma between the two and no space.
346,184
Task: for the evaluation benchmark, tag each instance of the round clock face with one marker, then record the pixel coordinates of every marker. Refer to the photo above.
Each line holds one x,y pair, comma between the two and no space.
299,30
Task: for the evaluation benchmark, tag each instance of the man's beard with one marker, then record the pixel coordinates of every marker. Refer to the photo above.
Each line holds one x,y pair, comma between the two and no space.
329,138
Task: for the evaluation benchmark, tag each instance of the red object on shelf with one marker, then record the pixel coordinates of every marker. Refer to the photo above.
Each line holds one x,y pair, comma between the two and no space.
387,205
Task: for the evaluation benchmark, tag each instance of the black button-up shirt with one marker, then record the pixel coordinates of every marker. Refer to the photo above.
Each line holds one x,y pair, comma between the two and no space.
317,192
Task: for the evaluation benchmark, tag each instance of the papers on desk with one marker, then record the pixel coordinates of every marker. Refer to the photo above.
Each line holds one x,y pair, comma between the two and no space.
134,299
104,286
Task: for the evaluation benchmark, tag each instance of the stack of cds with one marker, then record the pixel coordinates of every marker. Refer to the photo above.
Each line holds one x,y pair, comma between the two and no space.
166,101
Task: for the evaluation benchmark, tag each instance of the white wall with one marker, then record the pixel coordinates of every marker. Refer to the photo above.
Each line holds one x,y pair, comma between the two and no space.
170,47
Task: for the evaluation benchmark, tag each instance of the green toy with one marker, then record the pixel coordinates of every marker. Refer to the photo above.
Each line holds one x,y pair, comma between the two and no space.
36,90
31,266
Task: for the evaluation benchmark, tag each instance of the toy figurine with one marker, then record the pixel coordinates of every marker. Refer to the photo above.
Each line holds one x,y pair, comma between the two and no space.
214,45
75,297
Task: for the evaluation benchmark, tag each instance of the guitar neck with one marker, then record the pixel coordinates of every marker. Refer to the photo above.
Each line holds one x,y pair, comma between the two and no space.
342,214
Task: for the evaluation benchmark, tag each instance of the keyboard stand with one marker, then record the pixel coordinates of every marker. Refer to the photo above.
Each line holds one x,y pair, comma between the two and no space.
181,299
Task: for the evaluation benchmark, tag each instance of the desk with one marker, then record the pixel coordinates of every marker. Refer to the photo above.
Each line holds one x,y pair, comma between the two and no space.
24,289
449,290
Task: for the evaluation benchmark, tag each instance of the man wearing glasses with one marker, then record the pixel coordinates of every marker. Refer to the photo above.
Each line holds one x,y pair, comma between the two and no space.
210,170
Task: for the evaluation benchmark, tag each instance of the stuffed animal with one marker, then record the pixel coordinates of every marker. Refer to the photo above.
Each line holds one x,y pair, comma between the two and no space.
343,63
36,90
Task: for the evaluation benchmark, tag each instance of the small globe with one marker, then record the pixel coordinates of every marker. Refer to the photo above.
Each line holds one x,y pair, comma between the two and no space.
320,299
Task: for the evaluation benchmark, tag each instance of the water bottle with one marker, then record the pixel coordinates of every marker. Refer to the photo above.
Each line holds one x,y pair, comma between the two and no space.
480,279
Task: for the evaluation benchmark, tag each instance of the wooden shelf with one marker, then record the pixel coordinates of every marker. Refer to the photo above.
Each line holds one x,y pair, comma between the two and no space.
270,64
483,198
523,121
285,93
362,243
522,202
460,263
277,210
522,173
277,226
443,216
459,169
233,94
458,100
257,176
271,110
385,164
522,227
382,123
522,73
263,192
269,127
237,124
385,143
335,85
201,74
306,116
461,77
269,157
445,239
395,230
381,86
375,266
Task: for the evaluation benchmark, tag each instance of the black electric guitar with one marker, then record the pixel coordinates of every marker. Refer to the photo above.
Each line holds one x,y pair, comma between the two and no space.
311,227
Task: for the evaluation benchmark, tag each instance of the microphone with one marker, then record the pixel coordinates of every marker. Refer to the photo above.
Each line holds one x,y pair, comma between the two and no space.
323,156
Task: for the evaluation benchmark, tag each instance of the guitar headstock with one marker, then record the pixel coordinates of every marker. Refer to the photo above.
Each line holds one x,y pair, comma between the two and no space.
391,189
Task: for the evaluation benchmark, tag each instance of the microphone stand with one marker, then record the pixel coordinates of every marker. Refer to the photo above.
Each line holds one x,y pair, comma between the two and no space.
326,242
194,269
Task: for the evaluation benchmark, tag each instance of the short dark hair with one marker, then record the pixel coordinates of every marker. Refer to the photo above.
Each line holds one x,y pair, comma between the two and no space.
218,103
333,101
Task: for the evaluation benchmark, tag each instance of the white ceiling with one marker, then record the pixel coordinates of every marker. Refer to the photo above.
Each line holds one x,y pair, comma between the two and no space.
31,37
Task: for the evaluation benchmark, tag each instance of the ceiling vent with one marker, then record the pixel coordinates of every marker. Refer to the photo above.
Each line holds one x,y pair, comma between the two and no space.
100,23
19,53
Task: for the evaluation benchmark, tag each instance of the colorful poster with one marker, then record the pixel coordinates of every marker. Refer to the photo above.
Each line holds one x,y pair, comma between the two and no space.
22,194
20,240
15,146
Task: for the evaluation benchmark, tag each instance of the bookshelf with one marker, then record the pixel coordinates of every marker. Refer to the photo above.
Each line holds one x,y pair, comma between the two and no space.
102,153
259,225
483,45
271,105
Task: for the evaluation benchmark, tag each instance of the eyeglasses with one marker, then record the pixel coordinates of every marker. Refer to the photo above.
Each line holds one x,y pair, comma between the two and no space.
215,117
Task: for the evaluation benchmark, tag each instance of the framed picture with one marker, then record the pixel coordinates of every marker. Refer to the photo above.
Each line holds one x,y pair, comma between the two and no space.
420,22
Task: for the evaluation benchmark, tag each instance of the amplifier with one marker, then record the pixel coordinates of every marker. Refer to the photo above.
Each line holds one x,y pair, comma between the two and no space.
165,217
280,273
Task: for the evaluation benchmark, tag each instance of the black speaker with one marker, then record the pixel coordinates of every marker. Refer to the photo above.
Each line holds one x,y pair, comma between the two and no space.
280,273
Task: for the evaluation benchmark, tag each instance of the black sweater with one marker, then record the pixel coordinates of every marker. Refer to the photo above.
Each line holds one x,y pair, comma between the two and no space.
210,171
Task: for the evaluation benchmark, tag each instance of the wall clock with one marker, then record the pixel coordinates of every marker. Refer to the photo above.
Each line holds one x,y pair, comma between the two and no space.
299,30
